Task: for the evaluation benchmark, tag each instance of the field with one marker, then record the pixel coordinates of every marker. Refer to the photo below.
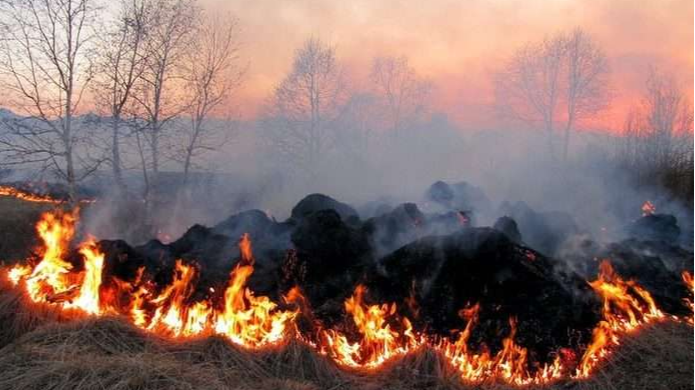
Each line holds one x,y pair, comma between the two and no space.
40,350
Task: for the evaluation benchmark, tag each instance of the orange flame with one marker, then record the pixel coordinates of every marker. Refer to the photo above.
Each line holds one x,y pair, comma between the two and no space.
509,365
688,280
379,342
28,196
626,306
31,197
247,319
88,298
170,304
51,276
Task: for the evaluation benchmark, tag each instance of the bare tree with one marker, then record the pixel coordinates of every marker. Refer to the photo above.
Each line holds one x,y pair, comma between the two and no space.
213,72
122,63
46,67
298,124
555,83
586,92
657,141
168,38
356,127
404,91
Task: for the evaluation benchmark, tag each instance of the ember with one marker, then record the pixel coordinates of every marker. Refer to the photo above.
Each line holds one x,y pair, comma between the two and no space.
648,208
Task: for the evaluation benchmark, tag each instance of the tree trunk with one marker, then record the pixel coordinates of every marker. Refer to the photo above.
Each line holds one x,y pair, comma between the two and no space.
116,155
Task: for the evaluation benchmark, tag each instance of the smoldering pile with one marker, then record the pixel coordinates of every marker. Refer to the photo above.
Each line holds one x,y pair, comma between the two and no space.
432,264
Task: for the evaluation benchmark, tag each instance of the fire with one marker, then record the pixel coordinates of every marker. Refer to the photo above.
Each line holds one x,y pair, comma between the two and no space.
626,306
88,298
380,333
31,197
510,364
648,208
247,319
379,341
170,313
18,273
244,318
51,276
28,196
688,280
53,279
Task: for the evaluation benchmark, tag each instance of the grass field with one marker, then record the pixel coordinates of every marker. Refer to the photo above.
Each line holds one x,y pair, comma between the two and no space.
41,350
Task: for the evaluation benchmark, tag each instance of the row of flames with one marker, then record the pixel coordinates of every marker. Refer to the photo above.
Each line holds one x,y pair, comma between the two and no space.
256,321
13,192
27,196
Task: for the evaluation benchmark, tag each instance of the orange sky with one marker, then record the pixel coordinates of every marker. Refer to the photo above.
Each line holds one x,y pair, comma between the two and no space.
457,42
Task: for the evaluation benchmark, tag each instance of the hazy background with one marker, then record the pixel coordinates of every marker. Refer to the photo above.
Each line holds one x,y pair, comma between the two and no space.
457,43
637,147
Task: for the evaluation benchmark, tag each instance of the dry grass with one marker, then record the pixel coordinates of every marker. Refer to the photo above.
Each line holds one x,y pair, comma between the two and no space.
48,352
17,232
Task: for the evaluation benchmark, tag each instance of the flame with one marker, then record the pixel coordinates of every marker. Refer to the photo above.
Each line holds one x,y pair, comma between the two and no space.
88,298
688,280
626,306
31,197
18,272
51,276
380,333
53,279
378,343
510,364
648,208
244,318
170,313
28,196
247,319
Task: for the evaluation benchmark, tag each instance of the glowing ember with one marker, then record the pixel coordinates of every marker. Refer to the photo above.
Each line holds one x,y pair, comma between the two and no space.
251,321
648,208
378,343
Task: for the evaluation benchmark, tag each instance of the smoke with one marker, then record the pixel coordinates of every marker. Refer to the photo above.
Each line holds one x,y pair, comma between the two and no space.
509,166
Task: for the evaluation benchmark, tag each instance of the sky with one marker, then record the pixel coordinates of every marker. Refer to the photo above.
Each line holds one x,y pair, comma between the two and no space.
457,43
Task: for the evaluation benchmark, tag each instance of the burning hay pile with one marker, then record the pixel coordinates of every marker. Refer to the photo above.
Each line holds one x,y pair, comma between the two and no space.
329,300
